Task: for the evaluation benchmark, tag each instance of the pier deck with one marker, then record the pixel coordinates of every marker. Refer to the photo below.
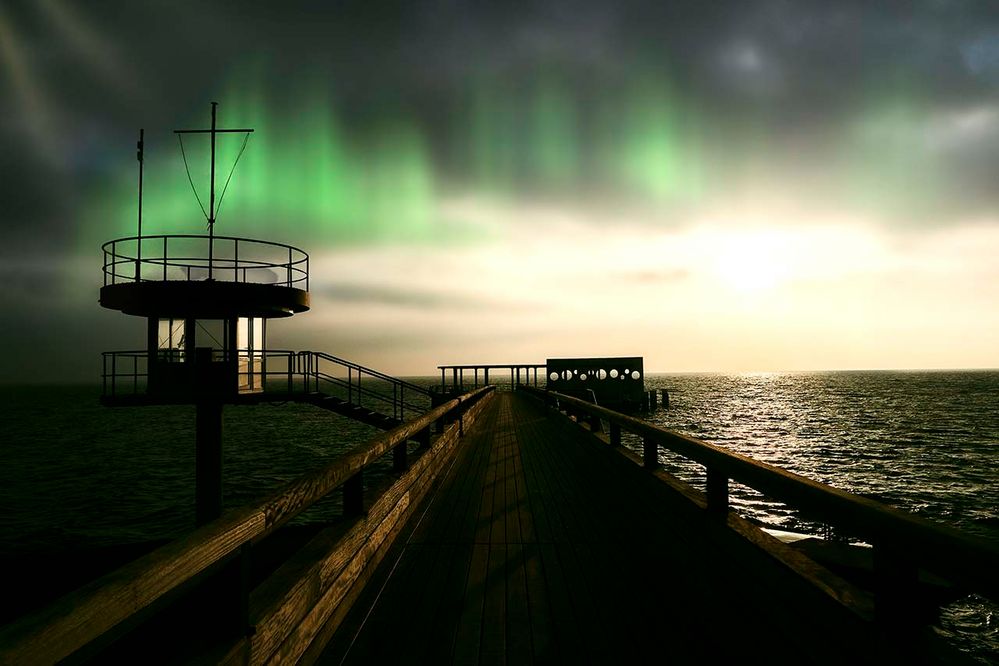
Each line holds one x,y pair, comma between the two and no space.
541,544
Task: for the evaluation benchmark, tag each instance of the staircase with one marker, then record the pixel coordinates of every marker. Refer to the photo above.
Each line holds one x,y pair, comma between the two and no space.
356,412
358,392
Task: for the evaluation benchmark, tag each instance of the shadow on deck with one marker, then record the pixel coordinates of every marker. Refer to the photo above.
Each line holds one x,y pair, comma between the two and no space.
540,544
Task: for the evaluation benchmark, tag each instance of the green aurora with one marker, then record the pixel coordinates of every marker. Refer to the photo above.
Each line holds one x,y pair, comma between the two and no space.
309,173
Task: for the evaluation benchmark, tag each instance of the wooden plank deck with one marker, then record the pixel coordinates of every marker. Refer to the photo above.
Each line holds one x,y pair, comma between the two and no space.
541,545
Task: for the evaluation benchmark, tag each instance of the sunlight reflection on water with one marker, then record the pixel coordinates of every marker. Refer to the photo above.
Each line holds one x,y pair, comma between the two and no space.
922,441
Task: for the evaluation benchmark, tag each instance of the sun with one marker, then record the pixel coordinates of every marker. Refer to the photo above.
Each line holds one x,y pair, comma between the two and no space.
751,261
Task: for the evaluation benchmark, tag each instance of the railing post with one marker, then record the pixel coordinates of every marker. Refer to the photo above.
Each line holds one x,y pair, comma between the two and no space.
235,260
461,418
114,374
233,588
164,258
895,588
650,453
263,370
423,437
400,457
717,492
289,266
595,425
353,494
615,434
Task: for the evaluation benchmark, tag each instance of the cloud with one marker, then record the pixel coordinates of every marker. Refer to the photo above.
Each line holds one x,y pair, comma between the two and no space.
396,296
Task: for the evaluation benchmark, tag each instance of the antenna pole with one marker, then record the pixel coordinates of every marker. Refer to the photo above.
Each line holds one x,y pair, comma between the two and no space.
214,130
211,201
138,242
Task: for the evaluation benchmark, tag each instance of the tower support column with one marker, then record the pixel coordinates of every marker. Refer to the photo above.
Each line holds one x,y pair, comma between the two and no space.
208,441
208,461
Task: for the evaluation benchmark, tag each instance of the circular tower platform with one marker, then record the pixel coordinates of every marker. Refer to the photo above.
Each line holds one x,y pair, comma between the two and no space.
204,277
204,299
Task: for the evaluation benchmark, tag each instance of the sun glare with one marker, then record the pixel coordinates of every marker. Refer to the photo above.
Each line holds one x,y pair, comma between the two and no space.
754,261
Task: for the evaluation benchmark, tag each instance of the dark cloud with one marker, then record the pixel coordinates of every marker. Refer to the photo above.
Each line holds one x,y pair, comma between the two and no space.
783,84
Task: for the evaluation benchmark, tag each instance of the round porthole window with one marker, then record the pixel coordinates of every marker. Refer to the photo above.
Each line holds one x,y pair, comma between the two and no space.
553,376
614,373
601,374
582,377
635,374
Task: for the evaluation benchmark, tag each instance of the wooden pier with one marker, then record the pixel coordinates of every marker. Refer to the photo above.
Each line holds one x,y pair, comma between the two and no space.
540,546
514,530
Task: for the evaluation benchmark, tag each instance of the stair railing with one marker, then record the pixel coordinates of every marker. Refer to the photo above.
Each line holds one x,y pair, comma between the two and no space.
363,386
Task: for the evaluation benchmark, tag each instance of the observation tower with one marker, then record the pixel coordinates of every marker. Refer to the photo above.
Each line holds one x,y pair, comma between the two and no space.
207,300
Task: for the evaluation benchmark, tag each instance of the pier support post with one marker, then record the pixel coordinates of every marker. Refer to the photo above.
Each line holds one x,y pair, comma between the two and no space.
208,443
208,461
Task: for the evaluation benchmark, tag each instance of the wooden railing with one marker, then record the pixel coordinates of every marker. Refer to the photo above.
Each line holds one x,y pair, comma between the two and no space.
282,616
903,543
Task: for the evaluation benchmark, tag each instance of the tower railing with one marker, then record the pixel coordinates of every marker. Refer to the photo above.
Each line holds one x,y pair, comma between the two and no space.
272,372
195,257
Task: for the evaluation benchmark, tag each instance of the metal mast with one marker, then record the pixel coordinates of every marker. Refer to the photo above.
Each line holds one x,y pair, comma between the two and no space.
213,131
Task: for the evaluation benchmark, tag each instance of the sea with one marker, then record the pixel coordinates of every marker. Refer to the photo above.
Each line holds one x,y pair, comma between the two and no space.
76,475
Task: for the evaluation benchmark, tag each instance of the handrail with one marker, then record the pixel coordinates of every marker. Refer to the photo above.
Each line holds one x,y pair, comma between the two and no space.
126,372
123,262
300,371
86,614
369,371
900,539
310,362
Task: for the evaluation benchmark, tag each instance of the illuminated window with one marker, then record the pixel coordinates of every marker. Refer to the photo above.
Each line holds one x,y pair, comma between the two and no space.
171,340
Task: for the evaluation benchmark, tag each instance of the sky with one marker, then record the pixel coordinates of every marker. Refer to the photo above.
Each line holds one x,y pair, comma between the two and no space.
731,186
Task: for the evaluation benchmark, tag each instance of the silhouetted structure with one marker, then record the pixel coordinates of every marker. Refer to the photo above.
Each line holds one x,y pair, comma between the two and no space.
520,373
206,300
616,382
